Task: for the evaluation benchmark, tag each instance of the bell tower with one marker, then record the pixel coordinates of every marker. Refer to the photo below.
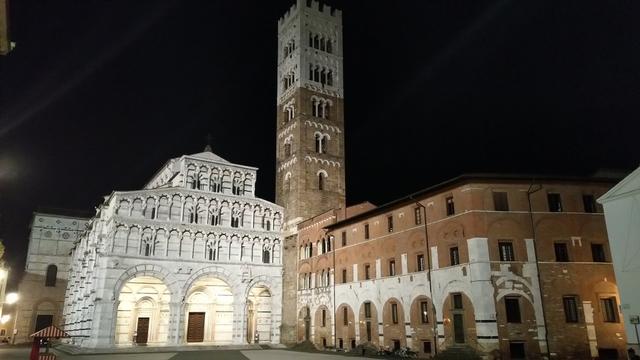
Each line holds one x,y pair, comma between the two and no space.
310,175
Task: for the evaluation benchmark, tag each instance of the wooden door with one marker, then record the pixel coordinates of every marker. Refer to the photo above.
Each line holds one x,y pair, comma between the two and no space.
142,330
458,328
195,327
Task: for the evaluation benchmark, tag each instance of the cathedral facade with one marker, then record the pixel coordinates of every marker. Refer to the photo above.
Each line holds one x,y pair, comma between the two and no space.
193,258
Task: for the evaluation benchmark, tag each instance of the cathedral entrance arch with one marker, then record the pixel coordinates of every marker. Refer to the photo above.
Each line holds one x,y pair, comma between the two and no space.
259,315
209,312
143,312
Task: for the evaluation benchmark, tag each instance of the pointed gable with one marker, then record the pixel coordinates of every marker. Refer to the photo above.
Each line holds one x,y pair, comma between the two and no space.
628,186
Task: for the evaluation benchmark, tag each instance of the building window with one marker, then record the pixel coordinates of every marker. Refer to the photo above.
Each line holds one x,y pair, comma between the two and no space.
609,310
450,207
424,312
562,252
324,317
597,251
457,301
589,203
344,276
321,181
555,203
394,313
390,223
266,256
287,149
392,267
367,267
454,256
52,275
368,330
500,201
420,262
147,249
367,310
345,316
417,215
506,251
366,231
516,350
426,347
570,304
512,307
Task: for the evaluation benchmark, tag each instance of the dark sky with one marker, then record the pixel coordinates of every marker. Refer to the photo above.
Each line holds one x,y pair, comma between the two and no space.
98,95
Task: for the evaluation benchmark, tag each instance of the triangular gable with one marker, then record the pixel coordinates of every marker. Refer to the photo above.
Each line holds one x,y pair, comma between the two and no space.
209,156
628,185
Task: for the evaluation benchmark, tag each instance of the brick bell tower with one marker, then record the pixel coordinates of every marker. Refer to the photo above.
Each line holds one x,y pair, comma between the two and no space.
310,122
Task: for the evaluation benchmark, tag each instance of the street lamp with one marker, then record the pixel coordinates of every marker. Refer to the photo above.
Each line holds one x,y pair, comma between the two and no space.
11,298
4,319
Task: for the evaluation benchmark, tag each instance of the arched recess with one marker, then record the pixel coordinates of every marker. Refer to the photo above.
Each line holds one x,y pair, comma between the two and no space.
304,324
524,328
422,320
142,312
368,322
459,320
258,312
345,327
322,327
393,320
208,312
45,313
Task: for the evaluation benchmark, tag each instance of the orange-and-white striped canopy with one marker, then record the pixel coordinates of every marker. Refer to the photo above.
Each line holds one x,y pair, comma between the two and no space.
50,332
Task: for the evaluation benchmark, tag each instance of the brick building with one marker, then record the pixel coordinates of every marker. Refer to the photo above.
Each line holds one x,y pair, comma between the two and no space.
504,277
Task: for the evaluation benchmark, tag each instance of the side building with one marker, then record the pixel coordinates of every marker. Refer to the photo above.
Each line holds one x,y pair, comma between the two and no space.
192,258
622,213
41,289
493,262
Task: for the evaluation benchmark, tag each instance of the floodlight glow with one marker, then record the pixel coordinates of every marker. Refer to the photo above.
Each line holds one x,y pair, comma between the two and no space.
11,298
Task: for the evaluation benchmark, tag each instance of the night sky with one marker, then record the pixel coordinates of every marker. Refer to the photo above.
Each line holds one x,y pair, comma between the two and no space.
98,95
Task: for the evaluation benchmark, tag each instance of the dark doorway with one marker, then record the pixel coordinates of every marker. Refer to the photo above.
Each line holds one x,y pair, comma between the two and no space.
307,326
607,353
195,327
516,350
42,321
396,344
142,331
458,329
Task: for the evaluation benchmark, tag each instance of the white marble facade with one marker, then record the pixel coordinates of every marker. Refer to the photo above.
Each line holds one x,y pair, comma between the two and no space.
192,258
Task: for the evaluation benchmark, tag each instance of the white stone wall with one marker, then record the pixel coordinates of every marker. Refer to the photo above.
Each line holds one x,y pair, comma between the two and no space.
179,242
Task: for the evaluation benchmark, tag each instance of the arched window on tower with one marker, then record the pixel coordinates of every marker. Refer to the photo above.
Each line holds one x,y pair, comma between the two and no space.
329,46
322,179
310,40
52,275
319,138
316,74
287,148
323,76
310,72
330,78
323,144
322,44
316,42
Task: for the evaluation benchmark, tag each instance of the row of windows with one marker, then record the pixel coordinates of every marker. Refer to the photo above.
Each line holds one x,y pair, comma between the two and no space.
320,108
320,74
320,42
570,303
321,144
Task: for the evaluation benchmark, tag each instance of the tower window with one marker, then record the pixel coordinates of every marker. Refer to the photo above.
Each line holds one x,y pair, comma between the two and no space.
324,317
344,238
329,46
345,316
287,149
555,202
321,181
390,223
450,206
366,231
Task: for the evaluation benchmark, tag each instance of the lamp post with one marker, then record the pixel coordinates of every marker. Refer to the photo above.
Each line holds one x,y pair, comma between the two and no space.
530,191
428,255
